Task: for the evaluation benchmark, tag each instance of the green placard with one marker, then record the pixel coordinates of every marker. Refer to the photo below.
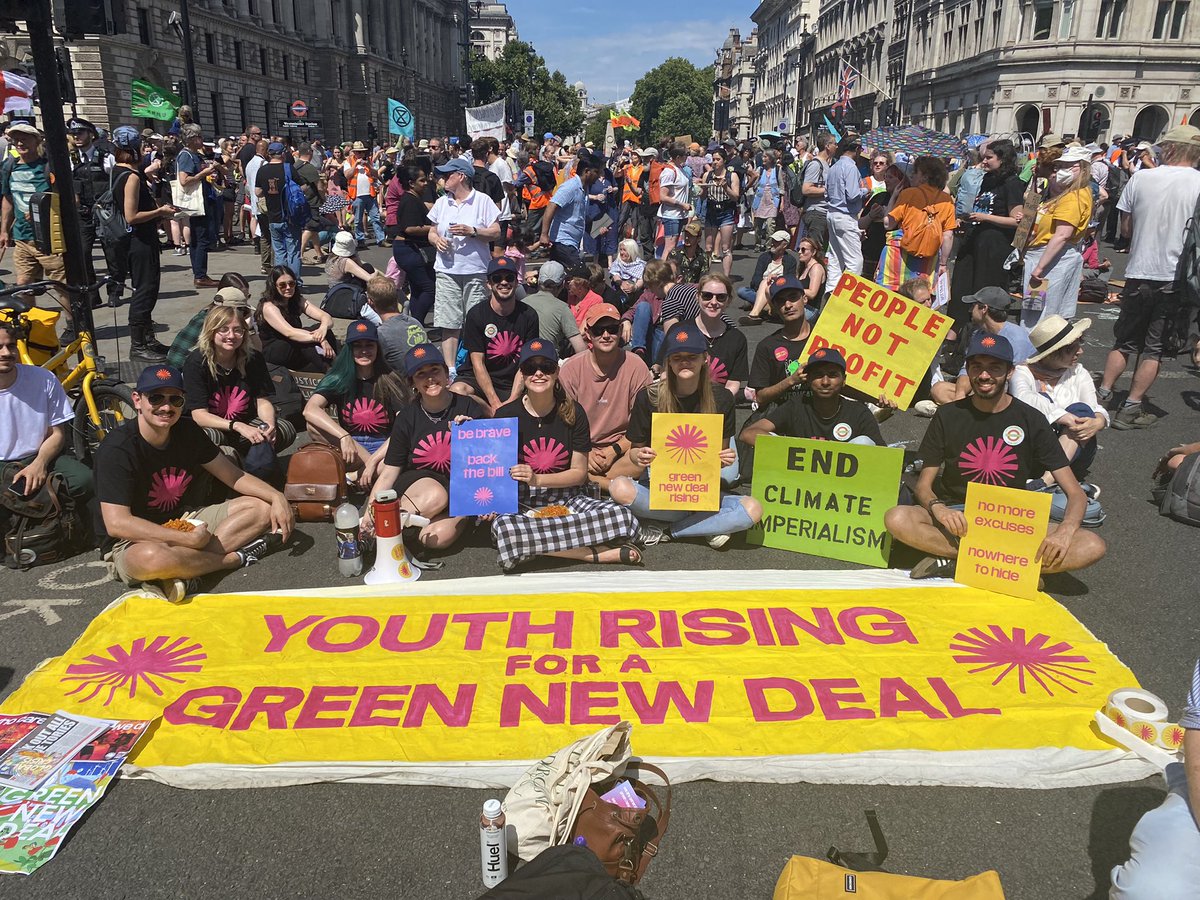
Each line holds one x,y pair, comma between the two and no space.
825,498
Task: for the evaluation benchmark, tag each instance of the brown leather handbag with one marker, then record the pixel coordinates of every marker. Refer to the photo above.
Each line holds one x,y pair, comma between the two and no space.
625,840
316,482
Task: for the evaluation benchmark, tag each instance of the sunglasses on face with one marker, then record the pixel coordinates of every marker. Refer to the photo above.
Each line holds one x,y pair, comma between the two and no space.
610,328
533,367
175,400
285,284
503,278
713,295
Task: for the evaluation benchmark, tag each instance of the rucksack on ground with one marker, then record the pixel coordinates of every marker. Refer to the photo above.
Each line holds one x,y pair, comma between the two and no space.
1180,495
42,527
344,300
316,482
296,211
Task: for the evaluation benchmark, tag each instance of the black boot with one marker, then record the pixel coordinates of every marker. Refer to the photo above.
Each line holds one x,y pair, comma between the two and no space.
140,350
152,340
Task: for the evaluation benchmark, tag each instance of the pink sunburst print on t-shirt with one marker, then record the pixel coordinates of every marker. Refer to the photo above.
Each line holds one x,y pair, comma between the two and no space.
229,402
167,487
717,370
433,452
988,460
504,346
366,414
545,455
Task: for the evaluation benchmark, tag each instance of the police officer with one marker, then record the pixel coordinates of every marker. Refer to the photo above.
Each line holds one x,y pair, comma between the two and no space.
91,163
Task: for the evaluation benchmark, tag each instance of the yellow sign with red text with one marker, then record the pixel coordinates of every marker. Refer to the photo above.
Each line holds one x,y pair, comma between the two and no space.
686,472
1005,528
888,340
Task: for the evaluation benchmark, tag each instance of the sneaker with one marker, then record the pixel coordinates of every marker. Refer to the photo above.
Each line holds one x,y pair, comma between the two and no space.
933,567
717,541
653,535
925,408
881,413
1130,417
175,590
1092,490
259,547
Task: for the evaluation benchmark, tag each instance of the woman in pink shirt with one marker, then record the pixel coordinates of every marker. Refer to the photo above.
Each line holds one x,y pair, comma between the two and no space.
580,295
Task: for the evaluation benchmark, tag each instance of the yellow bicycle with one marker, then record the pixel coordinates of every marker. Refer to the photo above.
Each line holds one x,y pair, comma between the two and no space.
100,403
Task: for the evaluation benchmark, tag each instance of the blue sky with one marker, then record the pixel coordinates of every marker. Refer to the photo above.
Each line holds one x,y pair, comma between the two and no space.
610,46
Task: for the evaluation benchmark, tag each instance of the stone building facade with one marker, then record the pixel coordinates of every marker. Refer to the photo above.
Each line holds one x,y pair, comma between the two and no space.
254,58
733,84
785,28
491,29
862,33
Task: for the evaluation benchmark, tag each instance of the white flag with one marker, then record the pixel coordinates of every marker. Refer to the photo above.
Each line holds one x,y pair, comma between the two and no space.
486,121
17,92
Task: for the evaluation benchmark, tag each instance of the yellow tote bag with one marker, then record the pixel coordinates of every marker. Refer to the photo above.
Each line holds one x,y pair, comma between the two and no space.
805,878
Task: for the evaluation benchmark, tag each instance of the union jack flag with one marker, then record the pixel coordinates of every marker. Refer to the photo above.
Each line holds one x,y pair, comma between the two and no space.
846,84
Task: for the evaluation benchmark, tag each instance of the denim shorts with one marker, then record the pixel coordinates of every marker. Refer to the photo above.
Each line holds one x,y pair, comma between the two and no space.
714,217
671,227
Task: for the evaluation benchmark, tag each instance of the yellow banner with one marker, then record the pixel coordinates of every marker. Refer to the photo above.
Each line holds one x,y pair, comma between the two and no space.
686,472
1005,528
888,340
749,669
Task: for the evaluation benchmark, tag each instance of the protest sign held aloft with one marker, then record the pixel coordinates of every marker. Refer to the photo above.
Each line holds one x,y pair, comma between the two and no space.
481,453
1005,528
686,473
824,498
888,340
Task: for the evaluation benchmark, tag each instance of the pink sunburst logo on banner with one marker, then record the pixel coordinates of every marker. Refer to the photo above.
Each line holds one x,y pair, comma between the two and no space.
483,496
145,663
686,444
992,649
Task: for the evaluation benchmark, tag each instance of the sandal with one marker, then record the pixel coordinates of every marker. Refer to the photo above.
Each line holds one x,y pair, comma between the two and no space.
631,554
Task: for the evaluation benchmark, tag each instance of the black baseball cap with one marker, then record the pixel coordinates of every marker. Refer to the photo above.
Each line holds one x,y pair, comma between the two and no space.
157,378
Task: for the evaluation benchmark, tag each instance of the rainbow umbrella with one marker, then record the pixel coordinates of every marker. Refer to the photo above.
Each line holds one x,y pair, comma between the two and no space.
915,139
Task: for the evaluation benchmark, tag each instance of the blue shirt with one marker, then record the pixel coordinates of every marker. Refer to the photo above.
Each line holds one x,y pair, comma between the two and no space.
844,192
568,224
1022,346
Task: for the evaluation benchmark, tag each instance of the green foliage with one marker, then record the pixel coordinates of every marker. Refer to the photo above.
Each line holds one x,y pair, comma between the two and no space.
674,98
554,102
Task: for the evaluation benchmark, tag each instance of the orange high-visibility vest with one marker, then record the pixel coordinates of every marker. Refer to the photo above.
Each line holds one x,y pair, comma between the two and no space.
656,168
633,174
357,167
535,197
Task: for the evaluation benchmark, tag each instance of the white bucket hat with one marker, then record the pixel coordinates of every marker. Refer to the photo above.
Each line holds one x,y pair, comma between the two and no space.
345,244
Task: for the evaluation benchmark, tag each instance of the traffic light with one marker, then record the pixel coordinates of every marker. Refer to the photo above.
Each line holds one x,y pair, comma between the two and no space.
371,132
66,78
464,95
180,89
82,17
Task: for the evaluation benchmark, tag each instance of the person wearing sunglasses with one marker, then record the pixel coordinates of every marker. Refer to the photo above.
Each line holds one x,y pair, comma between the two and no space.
148,473
285,340
605,380
494,333
728,359
558,518
687,388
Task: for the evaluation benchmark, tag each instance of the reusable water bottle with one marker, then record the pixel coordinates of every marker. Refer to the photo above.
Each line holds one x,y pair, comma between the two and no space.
493,844
349,548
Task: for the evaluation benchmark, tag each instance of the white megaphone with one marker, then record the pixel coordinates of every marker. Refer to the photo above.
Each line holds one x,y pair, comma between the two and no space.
391,558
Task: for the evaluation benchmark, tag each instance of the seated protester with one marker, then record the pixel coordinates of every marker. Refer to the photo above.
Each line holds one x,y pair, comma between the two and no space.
993,438
823,414
233,292
285,340
398,332
727,356
1056,384
605,381
682,304
811,273
1165,843
554,445
626,271
641,325
1171,460
690,260
417,462
494,332
556,324
777,371
344,263
581,296
365,396
772,263
229,395
687,388
146,476
989,315
920,290
35,413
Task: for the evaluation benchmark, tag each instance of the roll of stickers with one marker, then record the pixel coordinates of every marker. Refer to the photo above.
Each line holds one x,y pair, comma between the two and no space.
1144,715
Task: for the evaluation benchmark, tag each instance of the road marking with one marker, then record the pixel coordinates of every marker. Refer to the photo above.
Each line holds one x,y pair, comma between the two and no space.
51,581
44,607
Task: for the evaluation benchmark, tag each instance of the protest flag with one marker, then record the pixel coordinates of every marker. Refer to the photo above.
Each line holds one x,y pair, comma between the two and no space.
622,120
829,127
17,92
152,102
400,119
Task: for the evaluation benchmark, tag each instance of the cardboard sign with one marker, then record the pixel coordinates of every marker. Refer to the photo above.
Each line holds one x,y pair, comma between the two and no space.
481,453
888,340
825,498
686,473
1005,528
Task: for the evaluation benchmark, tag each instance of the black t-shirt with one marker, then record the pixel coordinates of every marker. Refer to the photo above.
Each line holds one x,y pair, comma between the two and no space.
775,358
419,442
411,213
683,303
246,154
230,395
728,357
360,413
548,442
271,178
156,485
500,339
146,232
796,417
641,417
1005,448
997,196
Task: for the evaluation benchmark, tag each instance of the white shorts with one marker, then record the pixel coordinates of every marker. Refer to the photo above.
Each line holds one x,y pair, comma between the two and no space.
453,295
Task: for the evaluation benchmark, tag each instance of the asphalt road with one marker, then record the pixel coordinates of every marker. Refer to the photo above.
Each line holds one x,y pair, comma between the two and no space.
726,840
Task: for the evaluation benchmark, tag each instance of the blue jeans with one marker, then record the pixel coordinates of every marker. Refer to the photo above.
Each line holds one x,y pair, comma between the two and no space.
368,206
729,519
748,294
646,337
1164,849
420,282
285,244
1086,454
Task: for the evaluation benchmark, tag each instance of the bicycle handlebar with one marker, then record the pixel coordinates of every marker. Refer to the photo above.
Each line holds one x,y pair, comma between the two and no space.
37,288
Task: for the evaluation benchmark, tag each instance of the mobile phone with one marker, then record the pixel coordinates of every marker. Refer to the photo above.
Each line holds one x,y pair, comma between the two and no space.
18,488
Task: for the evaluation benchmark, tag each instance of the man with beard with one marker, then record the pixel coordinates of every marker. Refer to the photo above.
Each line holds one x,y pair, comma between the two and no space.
992,438
494,333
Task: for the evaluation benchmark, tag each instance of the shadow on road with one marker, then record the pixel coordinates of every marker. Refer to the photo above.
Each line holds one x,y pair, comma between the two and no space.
6,675
1114,814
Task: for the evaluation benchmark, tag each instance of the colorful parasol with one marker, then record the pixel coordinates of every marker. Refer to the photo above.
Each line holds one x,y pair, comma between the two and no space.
914,139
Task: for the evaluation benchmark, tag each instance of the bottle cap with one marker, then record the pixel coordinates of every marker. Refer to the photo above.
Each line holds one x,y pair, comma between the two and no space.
491,808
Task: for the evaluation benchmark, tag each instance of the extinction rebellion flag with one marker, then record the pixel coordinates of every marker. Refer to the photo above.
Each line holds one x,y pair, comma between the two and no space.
153,102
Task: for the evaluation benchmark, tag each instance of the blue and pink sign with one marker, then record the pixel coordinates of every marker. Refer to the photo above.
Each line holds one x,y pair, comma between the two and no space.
481,453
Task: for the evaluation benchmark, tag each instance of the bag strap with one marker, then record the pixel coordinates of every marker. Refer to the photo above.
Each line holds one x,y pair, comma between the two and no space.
863,862
650,849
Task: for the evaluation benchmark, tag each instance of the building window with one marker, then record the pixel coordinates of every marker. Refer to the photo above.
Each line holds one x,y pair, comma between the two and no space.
252,7
210,47
1043,19
1066,20
341,75
243,112
1169,19
1108,25
263,60
304,69
287,76
143,20
215,99
237,54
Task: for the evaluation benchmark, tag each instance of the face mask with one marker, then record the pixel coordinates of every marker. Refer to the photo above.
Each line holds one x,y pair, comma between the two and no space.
1064,176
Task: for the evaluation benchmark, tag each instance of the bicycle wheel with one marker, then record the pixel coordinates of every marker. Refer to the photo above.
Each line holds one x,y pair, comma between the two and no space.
114,403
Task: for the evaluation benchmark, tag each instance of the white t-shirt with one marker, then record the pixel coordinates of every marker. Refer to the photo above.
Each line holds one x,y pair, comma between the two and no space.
467,255
669,179
1160,201
501,170
34,403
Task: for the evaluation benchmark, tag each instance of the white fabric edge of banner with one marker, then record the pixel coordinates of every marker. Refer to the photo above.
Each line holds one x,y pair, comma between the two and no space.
1046,767
630,582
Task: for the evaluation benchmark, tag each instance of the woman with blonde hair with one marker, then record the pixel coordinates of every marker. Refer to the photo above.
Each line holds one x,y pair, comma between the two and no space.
228,391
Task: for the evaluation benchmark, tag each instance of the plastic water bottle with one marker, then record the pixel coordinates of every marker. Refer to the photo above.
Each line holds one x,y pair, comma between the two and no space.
349,548
493,844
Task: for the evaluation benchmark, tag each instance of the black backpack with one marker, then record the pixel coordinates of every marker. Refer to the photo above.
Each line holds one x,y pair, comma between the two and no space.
487,182
565,872
109,215
1179,497
43,527
344,299
1116,181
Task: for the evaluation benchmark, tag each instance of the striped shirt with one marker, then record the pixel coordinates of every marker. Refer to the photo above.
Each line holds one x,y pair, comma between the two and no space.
1191,710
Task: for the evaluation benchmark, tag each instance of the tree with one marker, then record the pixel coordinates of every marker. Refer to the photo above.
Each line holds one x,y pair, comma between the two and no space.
520,71
674,98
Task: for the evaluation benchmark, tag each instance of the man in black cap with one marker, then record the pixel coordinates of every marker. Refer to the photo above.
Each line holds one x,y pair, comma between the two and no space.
91,165
494,333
